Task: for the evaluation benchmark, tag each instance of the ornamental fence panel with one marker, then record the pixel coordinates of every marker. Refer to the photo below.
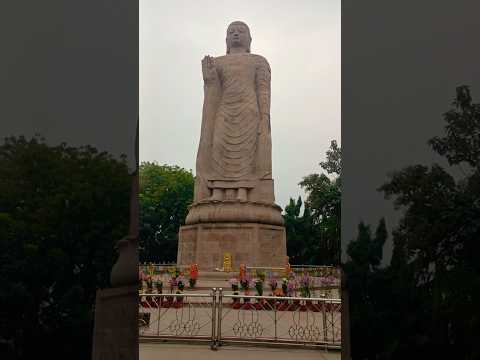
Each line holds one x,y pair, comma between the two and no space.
178,316
219,318
278,320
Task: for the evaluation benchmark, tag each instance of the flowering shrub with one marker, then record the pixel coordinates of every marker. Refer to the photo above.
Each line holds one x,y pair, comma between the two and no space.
180,283
149,282
328,280
159,285
291,287
285,286
151,269
234,284
193,275
246,283
243,272
261,275
174,272
272,282
258,286
194,271
173,283
306,285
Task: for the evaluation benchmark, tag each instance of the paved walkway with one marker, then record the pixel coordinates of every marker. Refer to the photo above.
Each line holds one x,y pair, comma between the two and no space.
155,351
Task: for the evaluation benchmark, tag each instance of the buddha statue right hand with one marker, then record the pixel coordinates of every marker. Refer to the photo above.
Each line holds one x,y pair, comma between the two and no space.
208,69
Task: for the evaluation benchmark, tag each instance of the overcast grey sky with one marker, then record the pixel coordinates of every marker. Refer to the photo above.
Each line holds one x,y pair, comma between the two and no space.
301,41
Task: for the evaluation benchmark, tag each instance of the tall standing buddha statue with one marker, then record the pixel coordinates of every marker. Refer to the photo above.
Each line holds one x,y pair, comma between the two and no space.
234,206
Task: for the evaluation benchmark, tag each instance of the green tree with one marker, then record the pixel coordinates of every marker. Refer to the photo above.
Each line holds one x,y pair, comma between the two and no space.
365,251
364,279
333,165
439,232
431,289
324,206
461,143
300,231
165,194
62,210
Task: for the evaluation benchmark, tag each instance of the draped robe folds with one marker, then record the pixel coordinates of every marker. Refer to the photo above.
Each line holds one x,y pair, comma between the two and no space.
235,141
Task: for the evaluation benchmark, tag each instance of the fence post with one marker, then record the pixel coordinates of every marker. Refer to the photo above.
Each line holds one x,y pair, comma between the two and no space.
332,313
219,322
275,317
159,308
324,315
213,346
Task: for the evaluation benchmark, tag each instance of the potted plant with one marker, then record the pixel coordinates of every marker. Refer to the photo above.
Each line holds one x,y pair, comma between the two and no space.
180,287
193,275
149,282
259,287
272,282
305,286
291,287
174,272
234,284
159,287
180,284
245,283
284,304
261,275
285,286
173,284
306,290
258,283
148,298
243,271
277,292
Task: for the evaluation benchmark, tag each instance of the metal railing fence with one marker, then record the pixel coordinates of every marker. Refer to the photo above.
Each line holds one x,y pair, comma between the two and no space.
219,318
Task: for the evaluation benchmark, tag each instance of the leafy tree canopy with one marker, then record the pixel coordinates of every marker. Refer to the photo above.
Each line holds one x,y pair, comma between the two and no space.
314,237
165,193
62,209
431,289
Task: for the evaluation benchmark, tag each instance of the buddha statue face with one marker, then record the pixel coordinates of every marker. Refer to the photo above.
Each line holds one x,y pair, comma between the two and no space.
238,37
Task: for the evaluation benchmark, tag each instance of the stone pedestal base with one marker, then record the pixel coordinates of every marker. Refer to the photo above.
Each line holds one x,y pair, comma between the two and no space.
234,211
252,244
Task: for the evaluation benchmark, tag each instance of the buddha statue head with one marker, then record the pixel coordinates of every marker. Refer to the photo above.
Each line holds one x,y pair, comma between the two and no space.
238,37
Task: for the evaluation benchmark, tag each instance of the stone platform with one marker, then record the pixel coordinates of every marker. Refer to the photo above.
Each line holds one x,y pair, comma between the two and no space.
254,244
